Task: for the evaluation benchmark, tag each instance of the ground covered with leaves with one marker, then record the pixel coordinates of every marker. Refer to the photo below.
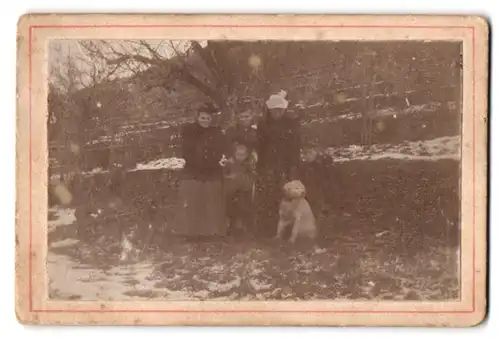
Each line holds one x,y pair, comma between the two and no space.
342,269
390,233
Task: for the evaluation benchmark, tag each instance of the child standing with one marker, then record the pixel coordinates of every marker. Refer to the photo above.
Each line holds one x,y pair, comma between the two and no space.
242,134
238,184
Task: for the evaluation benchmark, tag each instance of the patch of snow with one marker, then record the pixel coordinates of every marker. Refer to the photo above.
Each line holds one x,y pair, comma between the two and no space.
378,235
258,285
67,279
429,150
350,116
165,163
315,105
127,248
95,171
224,287
64,243
63,217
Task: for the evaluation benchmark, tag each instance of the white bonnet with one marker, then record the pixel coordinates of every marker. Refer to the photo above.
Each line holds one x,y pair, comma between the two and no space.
277,101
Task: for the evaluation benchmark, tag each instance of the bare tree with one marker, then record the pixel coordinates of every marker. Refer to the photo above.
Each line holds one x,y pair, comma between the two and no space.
72,72
65,79
206,68
364,72
373,68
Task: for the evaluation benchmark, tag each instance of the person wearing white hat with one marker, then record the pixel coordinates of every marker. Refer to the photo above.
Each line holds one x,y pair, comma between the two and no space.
277,104
278,151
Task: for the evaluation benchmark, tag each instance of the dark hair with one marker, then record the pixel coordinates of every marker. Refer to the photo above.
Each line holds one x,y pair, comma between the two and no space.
208,108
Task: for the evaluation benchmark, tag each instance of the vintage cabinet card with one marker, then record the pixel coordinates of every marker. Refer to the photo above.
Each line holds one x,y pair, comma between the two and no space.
251,170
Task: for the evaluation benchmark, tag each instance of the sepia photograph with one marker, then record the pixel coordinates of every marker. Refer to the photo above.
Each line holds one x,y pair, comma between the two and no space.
195,169
325,170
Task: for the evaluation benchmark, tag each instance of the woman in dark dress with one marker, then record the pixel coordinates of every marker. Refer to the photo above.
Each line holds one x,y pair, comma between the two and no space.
201,199
278,152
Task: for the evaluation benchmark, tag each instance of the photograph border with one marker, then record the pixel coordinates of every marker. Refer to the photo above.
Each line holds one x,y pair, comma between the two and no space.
29,312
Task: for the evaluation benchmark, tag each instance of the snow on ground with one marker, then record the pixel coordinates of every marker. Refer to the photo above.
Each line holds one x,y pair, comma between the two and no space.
70,280
128,280
169,163
232,273
95,171
62,217
427,150
64,243
177,163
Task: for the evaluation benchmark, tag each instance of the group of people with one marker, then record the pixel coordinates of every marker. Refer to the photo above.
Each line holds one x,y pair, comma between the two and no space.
232,180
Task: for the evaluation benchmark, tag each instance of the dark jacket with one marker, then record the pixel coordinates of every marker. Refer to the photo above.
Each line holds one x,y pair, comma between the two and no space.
202,149
278,146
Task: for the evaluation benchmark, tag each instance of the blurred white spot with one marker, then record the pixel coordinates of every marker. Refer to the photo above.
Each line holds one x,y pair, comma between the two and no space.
167,163
378,235
99,105
320,250
127,248
64,243
52,118
254,61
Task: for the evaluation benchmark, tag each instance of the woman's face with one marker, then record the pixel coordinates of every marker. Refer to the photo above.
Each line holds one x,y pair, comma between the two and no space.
277,113
204,119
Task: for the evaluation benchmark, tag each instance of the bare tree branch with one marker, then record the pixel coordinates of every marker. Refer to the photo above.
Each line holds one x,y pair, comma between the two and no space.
205,89
151,50
134,57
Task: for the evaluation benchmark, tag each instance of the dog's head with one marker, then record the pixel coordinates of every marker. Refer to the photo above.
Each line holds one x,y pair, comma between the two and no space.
294,189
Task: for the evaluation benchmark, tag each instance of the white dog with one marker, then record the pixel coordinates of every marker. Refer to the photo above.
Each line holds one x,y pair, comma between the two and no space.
295,210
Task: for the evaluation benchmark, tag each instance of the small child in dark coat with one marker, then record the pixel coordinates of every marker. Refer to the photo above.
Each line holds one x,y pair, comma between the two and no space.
315,173
238,186
242,134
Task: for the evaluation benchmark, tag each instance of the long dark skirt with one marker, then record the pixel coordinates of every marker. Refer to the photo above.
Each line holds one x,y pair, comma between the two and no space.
239,210
201,209
268,195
